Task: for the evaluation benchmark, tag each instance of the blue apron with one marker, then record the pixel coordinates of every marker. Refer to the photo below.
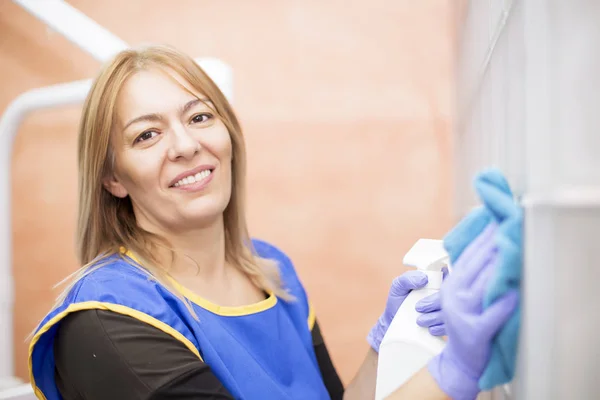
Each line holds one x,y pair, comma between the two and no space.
259,351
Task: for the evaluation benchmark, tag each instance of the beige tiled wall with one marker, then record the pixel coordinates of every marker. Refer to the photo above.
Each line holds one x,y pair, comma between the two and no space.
347,112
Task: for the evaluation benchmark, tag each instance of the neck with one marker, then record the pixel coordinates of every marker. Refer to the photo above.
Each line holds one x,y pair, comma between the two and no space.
198,252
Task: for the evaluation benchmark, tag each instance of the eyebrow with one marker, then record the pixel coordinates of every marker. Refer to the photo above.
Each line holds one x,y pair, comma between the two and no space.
157,117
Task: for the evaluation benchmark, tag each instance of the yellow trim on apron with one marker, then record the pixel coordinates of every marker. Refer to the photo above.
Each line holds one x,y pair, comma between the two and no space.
97,305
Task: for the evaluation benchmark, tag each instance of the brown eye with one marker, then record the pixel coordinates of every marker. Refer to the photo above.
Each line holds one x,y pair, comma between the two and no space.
146,136
199,118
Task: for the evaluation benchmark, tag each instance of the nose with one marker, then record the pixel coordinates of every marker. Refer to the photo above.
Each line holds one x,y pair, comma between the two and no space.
183,144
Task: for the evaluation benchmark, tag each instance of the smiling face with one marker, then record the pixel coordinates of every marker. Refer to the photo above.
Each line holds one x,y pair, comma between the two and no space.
172,154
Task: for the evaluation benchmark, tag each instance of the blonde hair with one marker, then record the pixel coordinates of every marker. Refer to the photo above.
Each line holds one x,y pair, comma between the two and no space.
107,223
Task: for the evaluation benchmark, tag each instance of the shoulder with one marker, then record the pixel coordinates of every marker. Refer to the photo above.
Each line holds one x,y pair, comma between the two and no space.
110,275
269,251
117,284
288,275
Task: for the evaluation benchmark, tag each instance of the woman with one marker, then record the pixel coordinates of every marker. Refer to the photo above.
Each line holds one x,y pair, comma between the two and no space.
174,299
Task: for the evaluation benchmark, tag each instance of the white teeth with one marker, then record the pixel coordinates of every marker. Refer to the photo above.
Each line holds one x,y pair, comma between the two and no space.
193,178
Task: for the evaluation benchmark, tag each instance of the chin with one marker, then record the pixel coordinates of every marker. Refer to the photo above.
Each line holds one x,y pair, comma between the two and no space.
206,211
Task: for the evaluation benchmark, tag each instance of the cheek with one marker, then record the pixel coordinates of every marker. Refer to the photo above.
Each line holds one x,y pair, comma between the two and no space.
226,147
221,148
220,145
139,173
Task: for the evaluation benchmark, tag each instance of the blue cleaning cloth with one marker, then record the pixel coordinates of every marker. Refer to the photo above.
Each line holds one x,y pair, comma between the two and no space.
466,231
495,193
500,207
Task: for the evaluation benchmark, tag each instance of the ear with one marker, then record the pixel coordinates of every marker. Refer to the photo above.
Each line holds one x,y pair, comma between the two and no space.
115,187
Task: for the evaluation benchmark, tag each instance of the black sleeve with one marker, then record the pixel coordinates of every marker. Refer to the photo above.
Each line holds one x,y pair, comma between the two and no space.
105,355
328,372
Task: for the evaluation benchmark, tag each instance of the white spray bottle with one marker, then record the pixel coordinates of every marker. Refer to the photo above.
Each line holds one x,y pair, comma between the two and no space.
406,347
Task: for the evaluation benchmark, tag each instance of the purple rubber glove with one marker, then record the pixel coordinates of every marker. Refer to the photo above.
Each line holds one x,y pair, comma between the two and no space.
432,317
401,287
470,329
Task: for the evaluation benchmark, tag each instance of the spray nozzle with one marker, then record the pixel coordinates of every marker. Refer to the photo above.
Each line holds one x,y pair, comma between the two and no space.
427,255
